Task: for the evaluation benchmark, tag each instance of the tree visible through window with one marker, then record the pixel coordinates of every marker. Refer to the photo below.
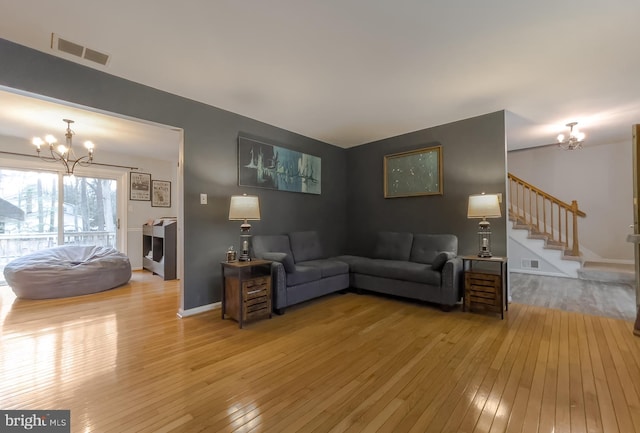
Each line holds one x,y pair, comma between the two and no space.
89,204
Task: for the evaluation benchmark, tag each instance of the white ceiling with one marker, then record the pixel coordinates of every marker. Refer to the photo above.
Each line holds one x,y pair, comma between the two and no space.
349,72
25,116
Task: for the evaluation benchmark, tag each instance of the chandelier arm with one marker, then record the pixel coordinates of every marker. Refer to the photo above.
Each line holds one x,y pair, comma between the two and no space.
66,165
45,158
55,155
85,161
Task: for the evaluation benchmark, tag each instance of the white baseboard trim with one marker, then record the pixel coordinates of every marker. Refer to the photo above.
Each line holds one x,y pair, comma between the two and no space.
202,309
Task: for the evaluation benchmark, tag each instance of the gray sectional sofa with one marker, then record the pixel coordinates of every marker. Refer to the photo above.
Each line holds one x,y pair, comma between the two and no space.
421,266
300,269
415,266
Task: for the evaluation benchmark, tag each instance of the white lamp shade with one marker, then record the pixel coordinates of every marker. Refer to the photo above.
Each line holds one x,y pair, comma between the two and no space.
484,206
244,207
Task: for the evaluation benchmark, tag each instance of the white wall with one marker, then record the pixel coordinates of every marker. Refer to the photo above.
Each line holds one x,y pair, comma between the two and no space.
137,212
599,177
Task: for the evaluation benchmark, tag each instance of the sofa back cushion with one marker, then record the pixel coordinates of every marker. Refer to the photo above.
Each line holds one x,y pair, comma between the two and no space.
270,244
426,248
305,246
393,246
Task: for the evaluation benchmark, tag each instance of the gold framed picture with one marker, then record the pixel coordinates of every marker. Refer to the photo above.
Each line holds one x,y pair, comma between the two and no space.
414,173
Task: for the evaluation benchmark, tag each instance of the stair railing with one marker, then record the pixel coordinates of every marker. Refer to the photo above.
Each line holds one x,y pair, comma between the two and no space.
545,214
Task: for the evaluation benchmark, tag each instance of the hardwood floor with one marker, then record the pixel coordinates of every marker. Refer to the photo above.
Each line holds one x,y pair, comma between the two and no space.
122,361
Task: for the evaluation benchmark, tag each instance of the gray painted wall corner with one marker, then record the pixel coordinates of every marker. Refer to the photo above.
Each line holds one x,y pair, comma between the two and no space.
473,162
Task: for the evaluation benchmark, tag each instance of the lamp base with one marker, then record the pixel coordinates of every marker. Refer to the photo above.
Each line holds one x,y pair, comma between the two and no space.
245,244
484,238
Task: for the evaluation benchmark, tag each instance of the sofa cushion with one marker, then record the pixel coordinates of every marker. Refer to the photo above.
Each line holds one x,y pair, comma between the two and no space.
305,246
270,244
440,260
328,267
284,258
303,274
398,270
351,260
393,246
426,247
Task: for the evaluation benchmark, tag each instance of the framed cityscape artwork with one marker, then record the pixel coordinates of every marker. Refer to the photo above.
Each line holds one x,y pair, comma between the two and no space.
265,165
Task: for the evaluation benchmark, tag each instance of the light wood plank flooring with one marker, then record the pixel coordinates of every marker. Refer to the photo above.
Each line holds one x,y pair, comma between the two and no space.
123,362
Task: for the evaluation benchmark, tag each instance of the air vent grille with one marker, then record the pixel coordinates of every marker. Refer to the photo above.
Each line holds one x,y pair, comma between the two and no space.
96,56
530,264
69,47
77,50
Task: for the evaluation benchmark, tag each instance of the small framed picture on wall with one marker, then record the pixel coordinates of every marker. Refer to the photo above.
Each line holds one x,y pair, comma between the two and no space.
140,186
160,193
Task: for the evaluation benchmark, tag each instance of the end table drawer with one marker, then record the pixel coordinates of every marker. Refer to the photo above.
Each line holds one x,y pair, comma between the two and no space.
483,290
256,298
255,287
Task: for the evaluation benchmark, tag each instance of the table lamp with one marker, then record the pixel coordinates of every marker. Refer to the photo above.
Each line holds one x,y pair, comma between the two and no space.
484,206
244,208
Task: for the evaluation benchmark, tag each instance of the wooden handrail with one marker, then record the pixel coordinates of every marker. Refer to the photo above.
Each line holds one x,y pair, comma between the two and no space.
531,206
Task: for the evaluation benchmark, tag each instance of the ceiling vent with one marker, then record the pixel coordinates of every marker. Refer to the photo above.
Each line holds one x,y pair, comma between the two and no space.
77,50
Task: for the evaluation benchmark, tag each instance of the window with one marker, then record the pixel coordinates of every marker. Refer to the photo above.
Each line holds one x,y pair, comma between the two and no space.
41,209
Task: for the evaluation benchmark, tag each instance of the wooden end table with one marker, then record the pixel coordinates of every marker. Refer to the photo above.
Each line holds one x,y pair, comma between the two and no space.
486,289
246,290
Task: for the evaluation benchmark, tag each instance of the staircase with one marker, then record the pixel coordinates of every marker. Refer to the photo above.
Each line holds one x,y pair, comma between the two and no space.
544,237
545,228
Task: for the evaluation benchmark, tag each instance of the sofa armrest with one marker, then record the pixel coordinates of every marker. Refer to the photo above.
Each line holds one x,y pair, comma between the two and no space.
452,278
284,258
278,285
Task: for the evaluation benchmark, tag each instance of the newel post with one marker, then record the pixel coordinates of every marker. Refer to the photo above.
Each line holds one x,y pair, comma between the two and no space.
574,210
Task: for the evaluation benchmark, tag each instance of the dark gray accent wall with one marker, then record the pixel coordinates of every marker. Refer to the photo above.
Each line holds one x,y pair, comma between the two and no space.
473,152
210,146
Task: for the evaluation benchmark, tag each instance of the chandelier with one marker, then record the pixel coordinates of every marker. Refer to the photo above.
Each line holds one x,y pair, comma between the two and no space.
64,152
574,140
